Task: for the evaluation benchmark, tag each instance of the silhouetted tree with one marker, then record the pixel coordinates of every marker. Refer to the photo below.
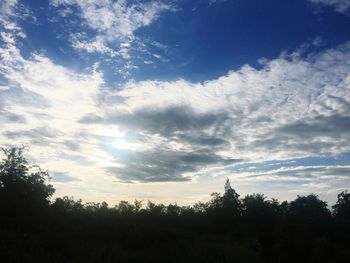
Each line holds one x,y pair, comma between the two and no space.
68,205
216,201
137,205
309,207
200,207
173,209
155,209
230,200
261,215
125,207
224,229
23,187
256,206
342,207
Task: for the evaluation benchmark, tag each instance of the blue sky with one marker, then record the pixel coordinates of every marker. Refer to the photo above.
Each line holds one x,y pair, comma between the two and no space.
164,99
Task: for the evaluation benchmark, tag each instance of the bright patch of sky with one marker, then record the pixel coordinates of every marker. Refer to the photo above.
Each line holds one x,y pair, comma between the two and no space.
164,99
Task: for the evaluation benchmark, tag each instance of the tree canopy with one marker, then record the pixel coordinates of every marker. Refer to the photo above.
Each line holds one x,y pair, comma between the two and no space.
23,186
226,228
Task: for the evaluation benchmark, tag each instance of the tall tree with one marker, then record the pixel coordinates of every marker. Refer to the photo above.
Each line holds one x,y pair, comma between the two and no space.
230,199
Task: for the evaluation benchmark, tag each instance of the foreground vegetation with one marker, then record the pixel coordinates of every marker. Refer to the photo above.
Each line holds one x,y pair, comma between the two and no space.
225,229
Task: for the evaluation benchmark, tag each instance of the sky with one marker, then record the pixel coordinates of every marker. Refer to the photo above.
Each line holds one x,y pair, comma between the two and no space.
163,100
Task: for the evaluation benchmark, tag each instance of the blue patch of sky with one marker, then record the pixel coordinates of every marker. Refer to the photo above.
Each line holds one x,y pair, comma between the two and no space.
202,41
50,35
338,160
206,41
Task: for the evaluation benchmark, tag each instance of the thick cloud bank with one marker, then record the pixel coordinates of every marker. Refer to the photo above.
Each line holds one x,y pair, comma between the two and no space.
293,106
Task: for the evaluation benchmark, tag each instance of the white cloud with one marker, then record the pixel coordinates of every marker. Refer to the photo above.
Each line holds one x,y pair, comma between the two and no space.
341,6
291,107
255,110
94,46
7,7
114,22
10,31
47,94
41,105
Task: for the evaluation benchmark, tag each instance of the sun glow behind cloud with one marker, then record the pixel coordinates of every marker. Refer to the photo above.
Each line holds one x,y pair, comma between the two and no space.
147,134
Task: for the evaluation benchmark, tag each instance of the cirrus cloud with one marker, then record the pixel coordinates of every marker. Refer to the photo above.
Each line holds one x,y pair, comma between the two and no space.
113,22
341,6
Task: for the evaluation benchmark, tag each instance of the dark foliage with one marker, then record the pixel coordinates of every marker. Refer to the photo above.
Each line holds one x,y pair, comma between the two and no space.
22,190
342,207
224,229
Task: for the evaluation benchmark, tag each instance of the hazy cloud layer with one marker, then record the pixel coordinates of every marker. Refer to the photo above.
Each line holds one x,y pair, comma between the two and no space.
319,173
164,145
62,177
163,165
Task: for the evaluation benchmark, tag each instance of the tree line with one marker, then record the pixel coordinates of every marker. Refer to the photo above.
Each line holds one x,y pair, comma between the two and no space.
227,228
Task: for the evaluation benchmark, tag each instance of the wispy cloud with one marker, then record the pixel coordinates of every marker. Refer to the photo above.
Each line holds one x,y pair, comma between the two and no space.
211,2
63,177
7,7
114,23
41,101
324,180
10,12
341,6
